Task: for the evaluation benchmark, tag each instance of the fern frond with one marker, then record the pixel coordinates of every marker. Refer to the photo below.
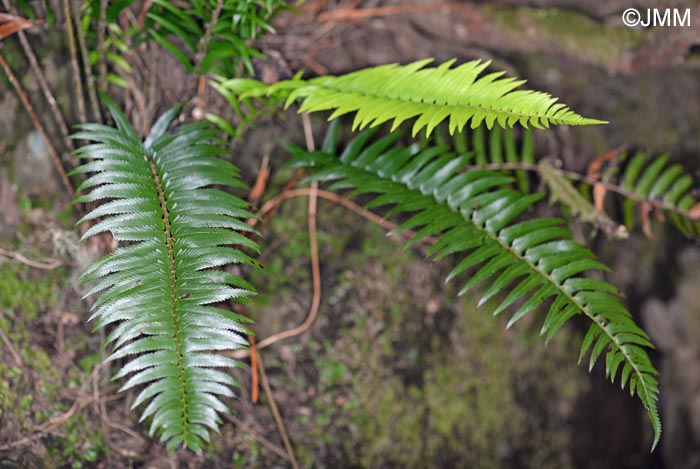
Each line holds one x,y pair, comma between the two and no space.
644,183
472,213
160,289
401,92
667,188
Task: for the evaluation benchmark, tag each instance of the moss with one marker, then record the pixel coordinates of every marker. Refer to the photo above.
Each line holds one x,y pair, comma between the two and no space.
568,30
13,55
34,379
395,390
26,290
486,401
286,273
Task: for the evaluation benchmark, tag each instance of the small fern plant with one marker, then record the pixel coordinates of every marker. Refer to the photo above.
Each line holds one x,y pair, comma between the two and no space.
156,196
160,287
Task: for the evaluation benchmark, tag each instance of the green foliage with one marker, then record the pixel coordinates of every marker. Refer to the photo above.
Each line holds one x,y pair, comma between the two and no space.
21,289
232,24
217,35
430,94
643,183
158,289
247,110
472,213
656,184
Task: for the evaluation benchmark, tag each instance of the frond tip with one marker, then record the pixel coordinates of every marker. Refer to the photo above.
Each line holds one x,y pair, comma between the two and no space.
158,290
401,92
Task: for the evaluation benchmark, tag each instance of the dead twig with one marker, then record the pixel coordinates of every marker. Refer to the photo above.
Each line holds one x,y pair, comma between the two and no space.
254,388
52,264
272,205
15,356
101,48
258,189
87,70
11,24
313,246
264,441
43,83
276,414
82,115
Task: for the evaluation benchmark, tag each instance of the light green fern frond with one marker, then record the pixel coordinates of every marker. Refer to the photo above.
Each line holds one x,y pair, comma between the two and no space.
400,92
472,213
160,289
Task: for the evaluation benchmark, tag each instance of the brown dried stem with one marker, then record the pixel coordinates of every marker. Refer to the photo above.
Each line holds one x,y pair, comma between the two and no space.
87,70
74,61
54,263
276,414
101,49
43,84
28,106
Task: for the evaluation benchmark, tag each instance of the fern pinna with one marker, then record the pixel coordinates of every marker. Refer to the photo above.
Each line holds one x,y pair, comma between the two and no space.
159,288
473,214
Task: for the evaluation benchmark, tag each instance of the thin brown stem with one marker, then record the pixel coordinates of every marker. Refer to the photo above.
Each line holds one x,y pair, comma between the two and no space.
15,356
50,425
74,62
54,263
203,44
201,53
264,441
43,83
276,414
28,106
87,70
272,205
101,48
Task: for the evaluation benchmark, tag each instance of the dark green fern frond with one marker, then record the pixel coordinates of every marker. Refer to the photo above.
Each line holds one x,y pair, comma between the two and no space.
645,184
160,289
658,185
401,92
494,147
472,215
